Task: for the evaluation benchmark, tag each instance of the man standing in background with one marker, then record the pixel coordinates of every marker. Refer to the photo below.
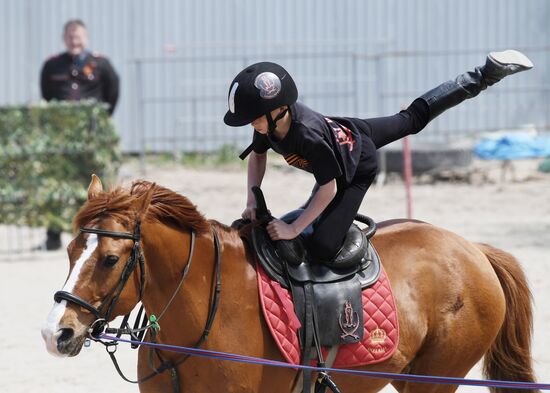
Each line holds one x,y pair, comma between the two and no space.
77,74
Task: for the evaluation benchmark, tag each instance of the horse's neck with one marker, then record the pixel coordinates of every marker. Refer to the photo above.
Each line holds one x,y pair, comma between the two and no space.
237,325
167,252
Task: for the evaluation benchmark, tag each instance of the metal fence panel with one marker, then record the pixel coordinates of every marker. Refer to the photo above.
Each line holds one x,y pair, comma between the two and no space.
178,105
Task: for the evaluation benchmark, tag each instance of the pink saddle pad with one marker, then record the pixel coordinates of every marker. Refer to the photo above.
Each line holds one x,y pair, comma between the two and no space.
381,329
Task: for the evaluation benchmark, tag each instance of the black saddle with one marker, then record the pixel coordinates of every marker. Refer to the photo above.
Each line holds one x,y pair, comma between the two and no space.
326,294
286,260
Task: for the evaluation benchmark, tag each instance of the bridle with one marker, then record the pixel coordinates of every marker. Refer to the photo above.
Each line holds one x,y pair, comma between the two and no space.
136,258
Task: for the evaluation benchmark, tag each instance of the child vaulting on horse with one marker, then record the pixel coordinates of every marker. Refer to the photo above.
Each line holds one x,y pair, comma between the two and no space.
340,152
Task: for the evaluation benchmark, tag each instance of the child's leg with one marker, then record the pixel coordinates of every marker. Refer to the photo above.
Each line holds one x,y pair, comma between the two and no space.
384,130
330,229
388,129
497,66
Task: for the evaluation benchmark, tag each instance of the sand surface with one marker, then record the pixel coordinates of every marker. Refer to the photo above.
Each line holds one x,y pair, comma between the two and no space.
513,214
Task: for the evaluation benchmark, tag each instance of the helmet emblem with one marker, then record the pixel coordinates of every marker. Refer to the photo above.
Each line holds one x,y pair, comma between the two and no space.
269,85
231,98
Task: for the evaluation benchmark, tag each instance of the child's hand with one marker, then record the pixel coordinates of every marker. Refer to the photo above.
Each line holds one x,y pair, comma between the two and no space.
249,213
280,230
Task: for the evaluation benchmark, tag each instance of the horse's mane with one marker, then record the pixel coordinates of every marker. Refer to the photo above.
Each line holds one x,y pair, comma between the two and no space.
166,207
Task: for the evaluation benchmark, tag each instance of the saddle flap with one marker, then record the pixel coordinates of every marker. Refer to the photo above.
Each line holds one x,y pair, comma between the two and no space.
337,311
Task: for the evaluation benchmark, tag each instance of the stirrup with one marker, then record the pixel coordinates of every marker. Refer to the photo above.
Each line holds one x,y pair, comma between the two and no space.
323,382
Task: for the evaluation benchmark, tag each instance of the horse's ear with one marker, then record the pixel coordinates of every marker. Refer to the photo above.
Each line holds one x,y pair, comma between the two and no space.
95,187
143,201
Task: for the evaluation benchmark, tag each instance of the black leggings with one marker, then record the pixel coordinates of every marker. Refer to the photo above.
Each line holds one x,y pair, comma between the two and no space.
330,229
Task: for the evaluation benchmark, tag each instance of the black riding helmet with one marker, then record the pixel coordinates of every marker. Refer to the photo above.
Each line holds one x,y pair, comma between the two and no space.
256,91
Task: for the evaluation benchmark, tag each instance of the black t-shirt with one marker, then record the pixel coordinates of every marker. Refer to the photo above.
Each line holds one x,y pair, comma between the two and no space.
317,144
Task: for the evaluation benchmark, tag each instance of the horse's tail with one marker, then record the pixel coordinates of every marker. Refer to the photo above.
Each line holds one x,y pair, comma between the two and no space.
509,358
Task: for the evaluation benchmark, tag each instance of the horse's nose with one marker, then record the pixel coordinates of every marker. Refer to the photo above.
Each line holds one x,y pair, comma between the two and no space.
66,335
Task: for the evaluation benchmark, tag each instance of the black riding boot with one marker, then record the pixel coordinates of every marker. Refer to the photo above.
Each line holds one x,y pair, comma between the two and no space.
497,66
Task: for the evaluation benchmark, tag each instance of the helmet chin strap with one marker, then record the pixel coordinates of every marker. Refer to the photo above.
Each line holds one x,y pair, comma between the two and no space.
272,123
271,126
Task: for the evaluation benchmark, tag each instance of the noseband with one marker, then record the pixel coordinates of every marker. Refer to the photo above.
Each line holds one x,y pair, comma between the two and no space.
136,257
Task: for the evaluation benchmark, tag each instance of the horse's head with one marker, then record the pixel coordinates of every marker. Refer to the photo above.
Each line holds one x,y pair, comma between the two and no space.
106,267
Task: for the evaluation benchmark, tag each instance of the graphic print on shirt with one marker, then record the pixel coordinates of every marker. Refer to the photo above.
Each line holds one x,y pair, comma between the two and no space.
342,133
298,162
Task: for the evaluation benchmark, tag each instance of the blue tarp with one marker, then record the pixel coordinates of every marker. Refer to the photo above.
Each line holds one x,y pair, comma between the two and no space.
513,146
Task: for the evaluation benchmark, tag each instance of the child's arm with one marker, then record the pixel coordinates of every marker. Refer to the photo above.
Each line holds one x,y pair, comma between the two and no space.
279,230
256,171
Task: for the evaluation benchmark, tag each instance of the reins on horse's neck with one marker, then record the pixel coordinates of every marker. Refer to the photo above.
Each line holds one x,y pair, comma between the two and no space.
183,275
212,310
154,324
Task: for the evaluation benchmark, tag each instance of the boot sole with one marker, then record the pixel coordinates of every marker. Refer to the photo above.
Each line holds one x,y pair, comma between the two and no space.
511,56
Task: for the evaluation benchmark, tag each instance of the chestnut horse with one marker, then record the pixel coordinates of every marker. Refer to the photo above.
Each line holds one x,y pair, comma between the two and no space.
457,301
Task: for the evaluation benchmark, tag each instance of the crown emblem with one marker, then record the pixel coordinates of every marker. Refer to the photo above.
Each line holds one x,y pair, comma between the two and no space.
377,336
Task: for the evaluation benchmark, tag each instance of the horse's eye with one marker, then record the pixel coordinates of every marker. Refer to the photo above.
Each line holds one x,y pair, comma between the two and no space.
110,260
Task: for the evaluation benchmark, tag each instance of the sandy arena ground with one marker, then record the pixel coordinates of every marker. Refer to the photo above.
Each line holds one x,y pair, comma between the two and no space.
512,215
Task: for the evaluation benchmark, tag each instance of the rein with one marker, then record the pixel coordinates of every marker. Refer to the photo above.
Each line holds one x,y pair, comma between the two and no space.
101,323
